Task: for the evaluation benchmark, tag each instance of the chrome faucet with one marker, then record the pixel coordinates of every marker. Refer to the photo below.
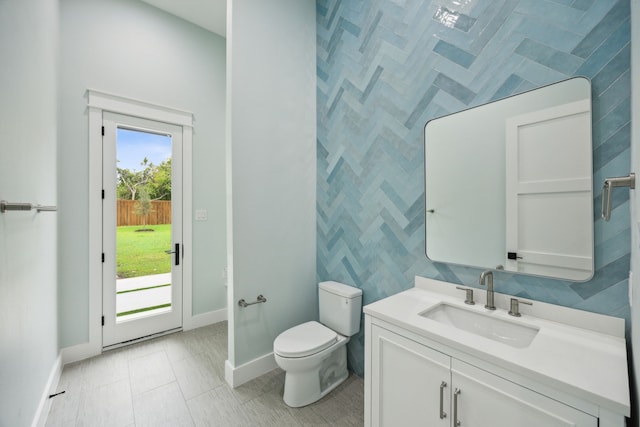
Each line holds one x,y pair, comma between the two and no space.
490,305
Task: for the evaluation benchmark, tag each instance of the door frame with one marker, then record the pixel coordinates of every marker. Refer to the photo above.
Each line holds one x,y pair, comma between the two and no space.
570,263
115,333
99,102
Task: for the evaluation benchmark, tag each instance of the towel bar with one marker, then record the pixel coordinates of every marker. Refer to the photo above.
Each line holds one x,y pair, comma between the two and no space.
243,303
6,206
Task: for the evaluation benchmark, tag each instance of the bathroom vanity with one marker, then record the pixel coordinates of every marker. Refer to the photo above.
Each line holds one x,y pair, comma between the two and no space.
431,359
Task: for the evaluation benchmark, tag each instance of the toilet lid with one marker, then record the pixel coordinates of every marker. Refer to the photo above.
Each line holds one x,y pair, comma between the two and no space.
304,340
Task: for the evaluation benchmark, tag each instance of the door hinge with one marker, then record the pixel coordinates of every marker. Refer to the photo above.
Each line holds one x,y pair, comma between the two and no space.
102,194
102,256
513,255
102,320
102,130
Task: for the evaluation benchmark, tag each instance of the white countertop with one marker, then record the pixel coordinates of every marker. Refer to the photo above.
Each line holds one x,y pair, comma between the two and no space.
588,361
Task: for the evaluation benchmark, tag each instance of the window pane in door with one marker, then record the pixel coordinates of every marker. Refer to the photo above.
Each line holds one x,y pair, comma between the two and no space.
143,236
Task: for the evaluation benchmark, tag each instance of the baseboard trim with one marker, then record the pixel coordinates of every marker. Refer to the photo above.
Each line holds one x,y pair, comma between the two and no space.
40,417
79,352
236,376
204,319
83,351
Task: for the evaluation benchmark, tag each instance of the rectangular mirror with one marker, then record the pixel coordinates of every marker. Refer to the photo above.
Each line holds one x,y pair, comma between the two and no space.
509,184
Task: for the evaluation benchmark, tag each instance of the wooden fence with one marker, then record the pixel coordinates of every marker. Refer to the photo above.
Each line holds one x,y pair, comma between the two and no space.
160,213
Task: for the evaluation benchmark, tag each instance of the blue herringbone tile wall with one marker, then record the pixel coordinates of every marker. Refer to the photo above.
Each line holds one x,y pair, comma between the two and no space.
386,67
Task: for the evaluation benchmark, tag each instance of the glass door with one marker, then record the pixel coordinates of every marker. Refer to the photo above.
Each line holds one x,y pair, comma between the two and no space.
142,228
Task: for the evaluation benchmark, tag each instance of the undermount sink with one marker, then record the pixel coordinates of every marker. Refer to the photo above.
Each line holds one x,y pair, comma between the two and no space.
485,325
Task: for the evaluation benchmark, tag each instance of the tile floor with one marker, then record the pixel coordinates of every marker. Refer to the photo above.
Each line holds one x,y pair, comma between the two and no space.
178,380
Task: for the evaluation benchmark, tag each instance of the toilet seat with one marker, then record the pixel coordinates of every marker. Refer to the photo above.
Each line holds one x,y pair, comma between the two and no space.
304,340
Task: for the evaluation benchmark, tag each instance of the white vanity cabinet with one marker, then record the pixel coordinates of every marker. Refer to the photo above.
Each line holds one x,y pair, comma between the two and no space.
432,360
484,399
412,384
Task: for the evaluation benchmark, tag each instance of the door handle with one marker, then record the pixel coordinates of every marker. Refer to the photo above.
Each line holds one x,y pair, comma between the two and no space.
176,251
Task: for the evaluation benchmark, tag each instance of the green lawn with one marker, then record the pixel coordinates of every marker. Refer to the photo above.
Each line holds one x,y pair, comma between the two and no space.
141,253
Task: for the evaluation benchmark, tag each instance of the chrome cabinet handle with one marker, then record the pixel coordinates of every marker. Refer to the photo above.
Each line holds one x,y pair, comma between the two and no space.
443,414
456,422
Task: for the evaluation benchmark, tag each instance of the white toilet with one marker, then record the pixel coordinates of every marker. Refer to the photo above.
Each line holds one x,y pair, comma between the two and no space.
314,355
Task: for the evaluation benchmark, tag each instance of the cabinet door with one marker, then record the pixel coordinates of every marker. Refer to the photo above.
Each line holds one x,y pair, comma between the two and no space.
411,383
483,399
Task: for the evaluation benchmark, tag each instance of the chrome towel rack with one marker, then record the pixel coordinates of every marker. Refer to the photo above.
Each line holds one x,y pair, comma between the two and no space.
7,206
243,303
607,189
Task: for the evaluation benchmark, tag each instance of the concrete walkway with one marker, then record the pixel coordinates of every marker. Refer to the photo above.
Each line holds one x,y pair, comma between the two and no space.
143,298
142,282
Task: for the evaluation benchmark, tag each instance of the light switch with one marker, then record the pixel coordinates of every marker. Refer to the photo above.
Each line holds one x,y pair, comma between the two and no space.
201,214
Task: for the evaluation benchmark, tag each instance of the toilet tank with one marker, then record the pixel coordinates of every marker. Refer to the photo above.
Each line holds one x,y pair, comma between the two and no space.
340,307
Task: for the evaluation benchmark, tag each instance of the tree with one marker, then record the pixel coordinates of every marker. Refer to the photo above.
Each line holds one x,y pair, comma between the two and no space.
160,185
127,184
143,206
129,181
155,179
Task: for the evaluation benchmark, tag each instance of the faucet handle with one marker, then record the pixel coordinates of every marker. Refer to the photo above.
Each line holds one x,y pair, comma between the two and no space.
515,306
469,295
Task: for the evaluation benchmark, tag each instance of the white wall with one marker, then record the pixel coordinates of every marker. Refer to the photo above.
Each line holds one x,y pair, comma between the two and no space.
272,168
635,195
28,287
134,50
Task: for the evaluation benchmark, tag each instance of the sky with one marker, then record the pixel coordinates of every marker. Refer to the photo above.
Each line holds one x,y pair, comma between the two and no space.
134,146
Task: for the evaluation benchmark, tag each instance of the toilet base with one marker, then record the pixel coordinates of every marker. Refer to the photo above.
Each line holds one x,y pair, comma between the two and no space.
306,387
